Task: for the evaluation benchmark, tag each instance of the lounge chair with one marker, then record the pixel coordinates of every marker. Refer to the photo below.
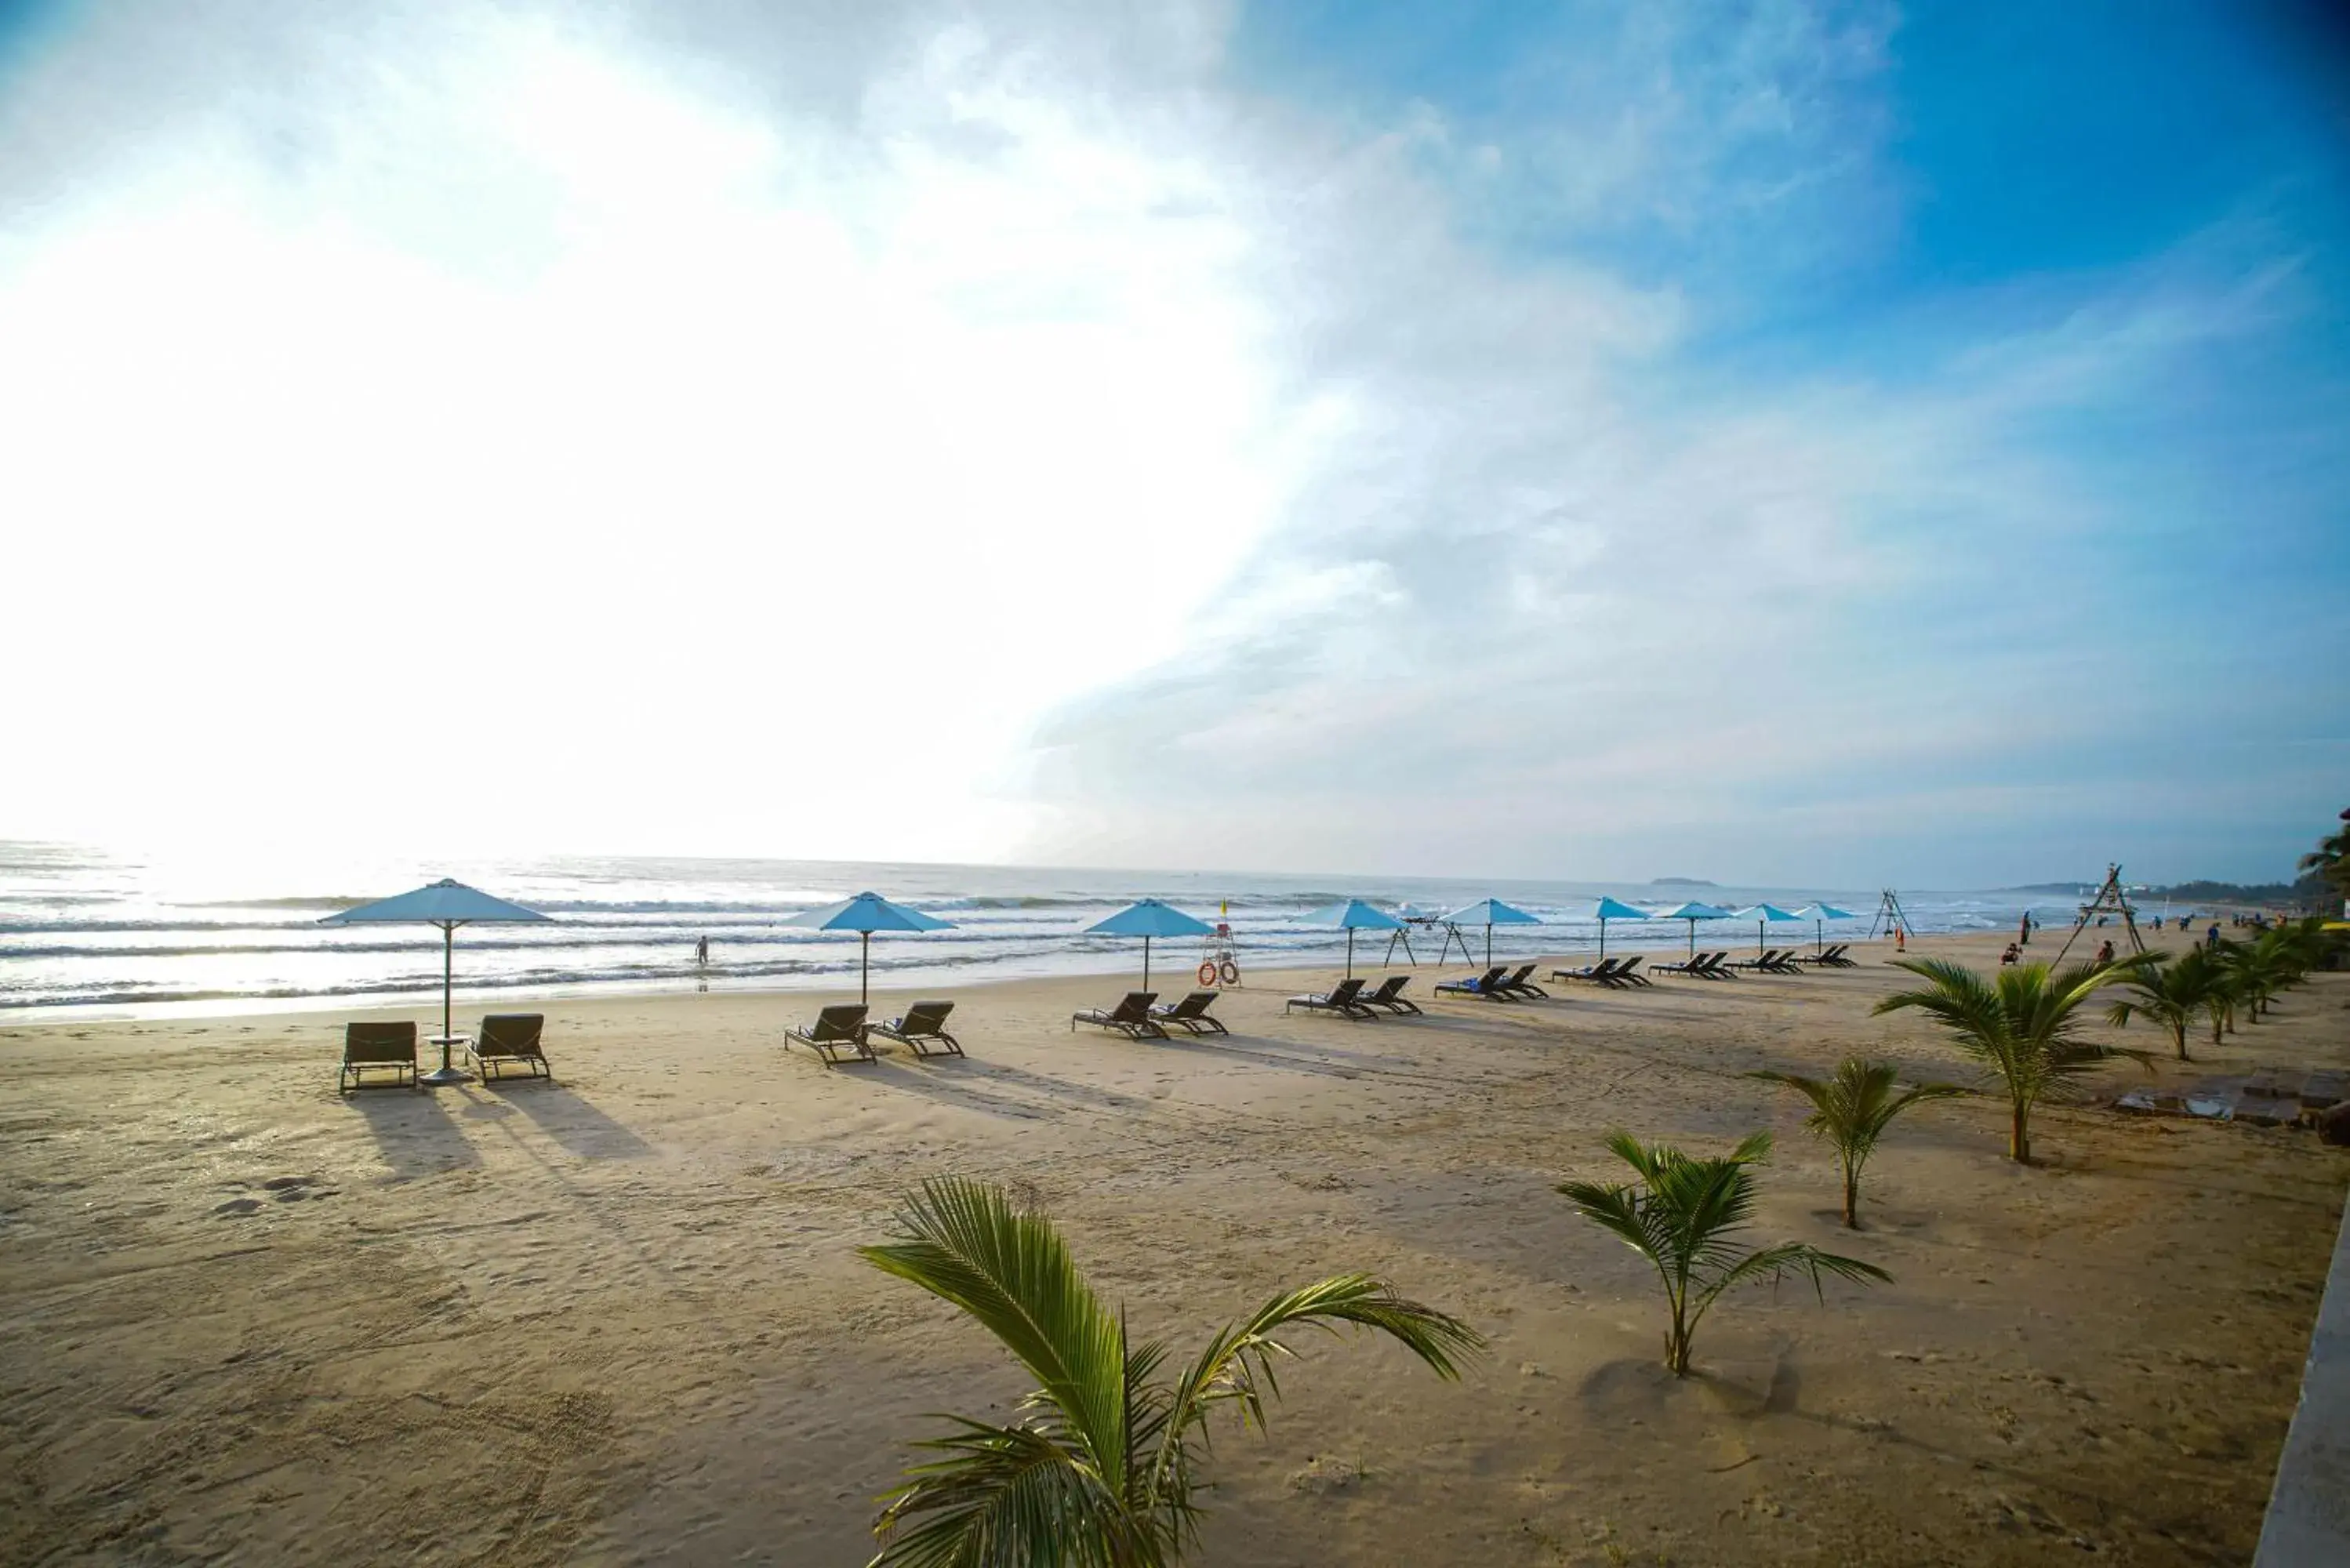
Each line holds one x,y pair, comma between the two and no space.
1761,961
1487,985
1191,1014
1344,998
1520,983
1697,966
1716,966
1630,973
1130,1018
377,1046
836,1029
1604,971
506,1038
1391,995
1830,957
923,1028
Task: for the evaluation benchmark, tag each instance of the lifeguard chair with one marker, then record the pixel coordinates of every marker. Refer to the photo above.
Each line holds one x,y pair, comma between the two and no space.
1220,964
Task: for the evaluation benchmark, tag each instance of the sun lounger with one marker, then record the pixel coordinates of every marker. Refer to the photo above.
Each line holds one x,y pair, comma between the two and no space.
923,1028
1630,973
1344,998
1487,985
1130,1018
1831,956
385,1047
1604,971
505,1039
1520,983
1191,1014
1391,995
1697,966
836,1029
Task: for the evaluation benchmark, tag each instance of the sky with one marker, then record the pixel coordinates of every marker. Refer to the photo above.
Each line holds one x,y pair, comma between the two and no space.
1777,443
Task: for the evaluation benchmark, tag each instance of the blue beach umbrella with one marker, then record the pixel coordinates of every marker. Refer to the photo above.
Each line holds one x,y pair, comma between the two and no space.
447,905
866,914
1488,913
1762,914
1819,913
1353,916
1692,913
1146,918
1609,910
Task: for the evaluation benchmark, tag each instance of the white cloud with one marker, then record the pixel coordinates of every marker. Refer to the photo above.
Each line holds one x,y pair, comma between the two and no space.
964,434
681,475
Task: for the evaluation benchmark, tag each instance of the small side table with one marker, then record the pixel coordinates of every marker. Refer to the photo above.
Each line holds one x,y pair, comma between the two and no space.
448,1074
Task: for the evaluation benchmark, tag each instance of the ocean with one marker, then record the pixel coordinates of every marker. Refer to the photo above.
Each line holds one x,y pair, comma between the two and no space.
87,934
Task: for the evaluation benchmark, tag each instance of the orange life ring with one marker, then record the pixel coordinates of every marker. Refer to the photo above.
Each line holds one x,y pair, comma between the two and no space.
1208,973
1229,974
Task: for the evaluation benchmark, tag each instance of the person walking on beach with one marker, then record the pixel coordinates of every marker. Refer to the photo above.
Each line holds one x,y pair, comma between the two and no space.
2024,931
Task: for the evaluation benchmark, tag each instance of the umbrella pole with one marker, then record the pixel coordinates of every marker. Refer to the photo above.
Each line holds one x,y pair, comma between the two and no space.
1489,944
865,968
448,1073
1692,939
1145,963
1603,938
1350,953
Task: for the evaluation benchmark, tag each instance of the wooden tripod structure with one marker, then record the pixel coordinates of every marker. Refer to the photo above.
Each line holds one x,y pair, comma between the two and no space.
2112,898
1403,937
1890,915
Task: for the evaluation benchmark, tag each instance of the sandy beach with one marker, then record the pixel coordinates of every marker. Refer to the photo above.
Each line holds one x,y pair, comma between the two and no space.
618,1319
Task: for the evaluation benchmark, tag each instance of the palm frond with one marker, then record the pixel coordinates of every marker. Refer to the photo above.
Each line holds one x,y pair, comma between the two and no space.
966,1243
1238,1363
1792,1258
1006,1497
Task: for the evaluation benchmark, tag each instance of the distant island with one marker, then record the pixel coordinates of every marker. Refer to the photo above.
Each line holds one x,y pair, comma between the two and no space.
2304,891
1681,882
2306,888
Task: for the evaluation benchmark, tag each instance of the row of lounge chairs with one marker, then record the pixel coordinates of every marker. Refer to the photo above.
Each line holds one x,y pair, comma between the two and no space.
505,1040
509,1040
1774,961
1141,1017
1499,984
841,1033
1350,999
1616,973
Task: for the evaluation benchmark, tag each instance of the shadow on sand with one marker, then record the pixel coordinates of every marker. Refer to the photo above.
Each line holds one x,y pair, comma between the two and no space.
567,1117
956,1082
413,1131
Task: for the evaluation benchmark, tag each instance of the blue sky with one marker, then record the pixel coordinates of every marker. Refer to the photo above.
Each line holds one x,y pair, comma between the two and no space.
1775,442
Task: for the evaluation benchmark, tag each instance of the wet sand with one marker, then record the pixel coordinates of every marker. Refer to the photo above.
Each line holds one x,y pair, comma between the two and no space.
618,1319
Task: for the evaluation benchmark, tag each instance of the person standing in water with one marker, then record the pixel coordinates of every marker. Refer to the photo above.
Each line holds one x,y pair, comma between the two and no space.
701,952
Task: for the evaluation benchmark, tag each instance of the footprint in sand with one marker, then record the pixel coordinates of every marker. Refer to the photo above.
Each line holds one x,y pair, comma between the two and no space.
237,1208
295,1189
